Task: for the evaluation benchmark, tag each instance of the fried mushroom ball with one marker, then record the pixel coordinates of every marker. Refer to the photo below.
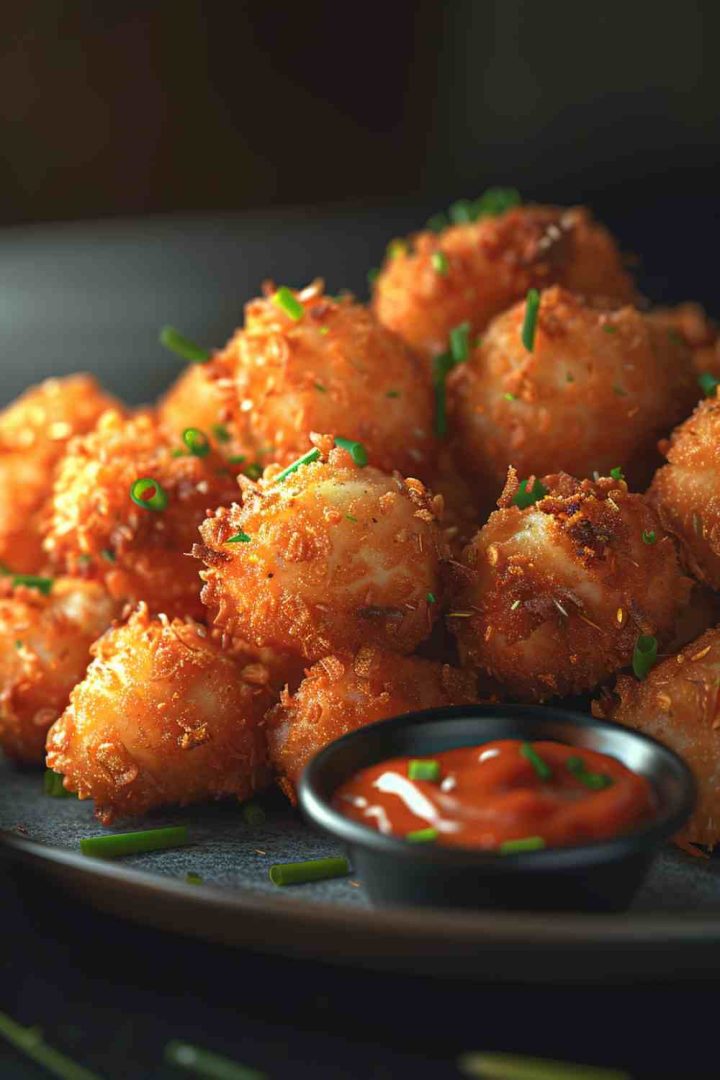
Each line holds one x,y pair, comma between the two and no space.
45,640
164,716
471,272
686,491
34,431
679,704
194,401
598,389
328,365
344,692
690,323
333,556
550,599
140,546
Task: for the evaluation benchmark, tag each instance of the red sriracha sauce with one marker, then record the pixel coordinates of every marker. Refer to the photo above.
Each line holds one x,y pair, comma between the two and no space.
505,796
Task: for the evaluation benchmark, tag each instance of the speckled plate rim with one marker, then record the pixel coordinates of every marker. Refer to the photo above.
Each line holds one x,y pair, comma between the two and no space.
487,945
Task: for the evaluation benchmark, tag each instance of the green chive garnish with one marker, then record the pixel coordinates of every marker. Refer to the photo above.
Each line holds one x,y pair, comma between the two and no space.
149,494
529,326
238,538
32,581
253,813
608,328
496,201
30,1042
175,341
18,645
396,248
196,441
708,383
419,769
319,386
524,843
235,459
510,397
676,337
311,455
594,781
461,212
514,1067
393,393
313,870
254,471
617,473
221,433
324,330
372,275
619,391
422,836
202,1063
287,302
541,767
193,879
460,343
431,598
111,847
645,655
524,497
54,787
648,536
436,223
439,262
355,449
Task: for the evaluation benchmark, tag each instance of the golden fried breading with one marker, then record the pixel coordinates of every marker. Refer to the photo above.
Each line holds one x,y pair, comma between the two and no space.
34,431
551,599
44,650
679,704
96,529
690,322
597,391
163,716
194,401
464,501
334,369
487,265
343,692
686,491
332,557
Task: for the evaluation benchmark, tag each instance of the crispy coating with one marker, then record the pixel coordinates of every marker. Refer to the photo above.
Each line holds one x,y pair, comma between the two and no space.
344,692
337,556
597,391
686,491
194,401
34,431
44,651
489,265
691,322
551,599
465,506
95,529
679,704
336,369
164,716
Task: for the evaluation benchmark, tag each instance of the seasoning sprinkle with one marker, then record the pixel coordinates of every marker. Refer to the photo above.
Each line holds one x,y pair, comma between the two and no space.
645,655
175,341
529,326
286,301
306,459
312,870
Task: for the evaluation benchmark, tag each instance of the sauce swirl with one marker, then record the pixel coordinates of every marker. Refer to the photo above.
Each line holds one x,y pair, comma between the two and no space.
503,796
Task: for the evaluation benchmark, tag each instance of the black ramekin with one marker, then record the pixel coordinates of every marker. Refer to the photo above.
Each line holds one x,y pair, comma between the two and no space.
600,876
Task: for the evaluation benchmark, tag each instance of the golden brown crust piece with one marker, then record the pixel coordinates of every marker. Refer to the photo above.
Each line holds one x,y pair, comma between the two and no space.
95,529
686,491
164,716
338,556
551,599
344,692
679,704
34,431
336,369
597,391
491,264
44,651
194,401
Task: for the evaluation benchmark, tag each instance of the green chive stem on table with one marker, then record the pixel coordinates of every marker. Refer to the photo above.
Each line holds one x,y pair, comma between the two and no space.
311,870
516,1067
205,1064
115,845
29,1041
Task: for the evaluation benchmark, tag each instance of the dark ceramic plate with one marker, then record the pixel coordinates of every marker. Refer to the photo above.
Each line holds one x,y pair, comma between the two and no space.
92,297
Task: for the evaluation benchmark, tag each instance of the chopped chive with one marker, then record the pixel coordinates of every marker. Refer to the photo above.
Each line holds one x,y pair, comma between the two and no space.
324,330
461,212
109,555
396,248
193,879
524,843
541,767
608,328
516,1067
253,813
30,1042
355,449
351,518
254,471
708,383
510,397
648,536
235,459
619,391
18,645
177,453
644,655
175,341
617,473
313,870
437,223
431,598
221,433
569,377
196,441
287,302
524,497
393,393
460,342
496,201
111,847
422,836
149,494
440,263
529,326
319,386
419,769
54,787
32,581
209,1066
676,337
592,780
238,538
372,275
306,459
478,342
